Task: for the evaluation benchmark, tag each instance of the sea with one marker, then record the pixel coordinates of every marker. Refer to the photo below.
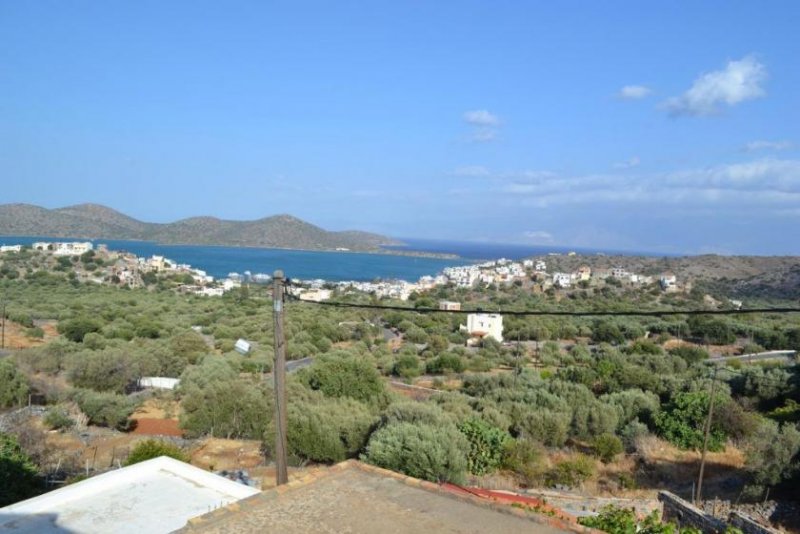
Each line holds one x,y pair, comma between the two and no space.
219,261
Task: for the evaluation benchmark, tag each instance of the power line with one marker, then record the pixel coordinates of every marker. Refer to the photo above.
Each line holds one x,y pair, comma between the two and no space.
545,313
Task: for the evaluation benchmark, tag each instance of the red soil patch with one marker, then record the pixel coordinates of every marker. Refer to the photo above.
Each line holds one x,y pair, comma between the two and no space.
532,504
157,427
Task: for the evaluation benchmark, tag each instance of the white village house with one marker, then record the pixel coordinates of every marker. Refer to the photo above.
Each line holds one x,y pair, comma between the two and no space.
483,325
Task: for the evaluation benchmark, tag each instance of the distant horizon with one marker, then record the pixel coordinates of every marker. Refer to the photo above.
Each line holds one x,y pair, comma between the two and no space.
545,248
624,127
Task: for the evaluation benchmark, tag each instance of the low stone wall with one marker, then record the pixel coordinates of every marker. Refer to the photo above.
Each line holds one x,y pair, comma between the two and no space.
685,514
748,525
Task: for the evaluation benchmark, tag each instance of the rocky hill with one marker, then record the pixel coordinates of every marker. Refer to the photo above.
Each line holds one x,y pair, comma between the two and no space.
92,221
776,277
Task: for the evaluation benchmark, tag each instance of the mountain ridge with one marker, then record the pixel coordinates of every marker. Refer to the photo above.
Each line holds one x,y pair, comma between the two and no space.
96,221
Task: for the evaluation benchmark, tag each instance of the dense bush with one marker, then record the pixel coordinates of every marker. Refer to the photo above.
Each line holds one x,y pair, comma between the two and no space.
486,446
690,353
328,429
682,420
14,386
416,413
548,427
75,329
105,409
58,419
616,520
771,453
633,404
419,450
607,447
445,363
341,374
112,369
217,401
572,472
153,448
526,459
406,366
17,472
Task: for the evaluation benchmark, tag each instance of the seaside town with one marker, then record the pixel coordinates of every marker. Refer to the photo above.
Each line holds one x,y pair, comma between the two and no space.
103,266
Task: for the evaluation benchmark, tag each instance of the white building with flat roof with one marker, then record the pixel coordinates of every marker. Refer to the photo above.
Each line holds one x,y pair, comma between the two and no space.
159,495
485,325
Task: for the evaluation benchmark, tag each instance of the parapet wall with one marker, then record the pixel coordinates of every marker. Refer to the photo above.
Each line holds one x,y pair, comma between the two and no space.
685,514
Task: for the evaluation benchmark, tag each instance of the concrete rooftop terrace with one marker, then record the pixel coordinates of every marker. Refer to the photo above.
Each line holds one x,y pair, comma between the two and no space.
155,496
352,497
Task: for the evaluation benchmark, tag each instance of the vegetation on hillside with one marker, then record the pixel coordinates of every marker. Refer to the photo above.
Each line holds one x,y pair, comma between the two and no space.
94,221
553,407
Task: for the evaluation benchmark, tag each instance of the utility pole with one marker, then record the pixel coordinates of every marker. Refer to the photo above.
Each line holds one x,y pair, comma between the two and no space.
279,372
3,345
707,431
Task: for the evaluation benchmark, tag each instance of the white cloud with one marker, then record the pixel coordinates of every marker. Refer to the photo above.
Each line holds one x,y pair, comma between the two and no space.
483,135
471,171
634,92
764,182
768,145
538,236
484,125
629,164
739,81
481,117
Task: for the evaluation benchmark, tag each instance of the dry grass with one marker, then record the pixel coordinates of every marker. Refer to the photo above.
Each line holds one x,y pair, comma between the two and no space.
156,408
216,454
16,335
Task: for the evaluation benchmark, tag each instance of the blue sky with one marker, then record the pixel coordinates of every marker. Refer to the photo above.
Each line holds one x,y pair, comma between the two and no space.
662,126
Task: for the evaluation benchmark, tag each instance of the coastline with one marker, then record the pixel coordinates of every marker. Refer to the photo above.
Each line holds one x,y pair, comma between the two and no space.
377,251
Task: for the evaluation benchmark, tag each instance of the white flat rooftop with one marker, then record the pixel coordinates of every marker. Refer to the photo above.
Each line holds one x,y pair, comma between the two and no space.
151,497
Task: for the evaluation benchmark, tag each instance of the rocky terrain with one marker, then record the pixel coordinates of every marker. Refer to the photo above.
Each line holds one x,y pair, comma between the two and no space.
92,221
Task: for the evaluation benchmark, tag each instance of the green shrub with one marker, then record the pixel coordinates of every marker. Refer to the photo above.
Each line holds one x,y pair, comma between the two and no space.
14,386
340,374
548,427
770,453
526,459
690,353
153,448
216,401
614,520
75,329
571,472
487,444
632,432
417,413
633,404
682,421
58,419
617,520
606,447
324,429
105,409
34,333
17,472
445,363
406,366
419,450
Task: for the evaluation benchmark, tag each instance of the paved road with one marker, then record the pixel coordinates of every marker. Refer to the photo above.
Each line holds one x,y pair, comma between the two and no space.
757,356
294,365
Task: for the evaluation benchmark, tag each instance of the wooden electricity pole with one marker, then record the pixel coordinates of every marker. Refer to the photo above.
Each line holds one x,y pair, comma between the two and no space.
3,345
707,431
279,372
